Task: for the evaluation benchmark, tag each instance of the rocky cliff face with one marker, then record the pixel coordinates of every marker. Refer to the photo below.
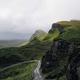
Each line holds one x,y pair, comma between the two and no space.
56,26
62,61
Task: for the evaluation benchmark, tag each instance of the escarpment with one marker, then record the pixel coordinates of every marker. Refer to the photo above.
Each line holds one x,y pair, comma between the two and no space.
62,60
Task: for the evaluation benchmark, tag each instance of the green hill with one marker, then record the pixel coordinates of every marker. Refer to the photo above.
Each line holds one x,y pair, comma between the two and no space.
38,45
72,30
14,55
61,61
34,49
39,34
22,71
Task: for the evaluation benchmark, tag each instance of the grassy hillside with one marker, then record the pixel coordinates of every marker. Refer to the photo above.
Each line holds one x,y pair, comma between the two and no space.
65,45
72,29
18,72
70,23
35,49
39,34
52,36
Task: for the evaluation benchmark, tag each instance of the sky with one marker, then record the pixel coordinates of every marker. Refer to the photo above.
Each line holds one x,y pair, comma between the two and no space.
19,19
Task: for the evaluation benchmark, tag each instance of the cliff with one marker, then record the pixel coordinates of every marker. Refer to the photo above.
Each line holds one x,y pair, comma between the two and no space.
62,60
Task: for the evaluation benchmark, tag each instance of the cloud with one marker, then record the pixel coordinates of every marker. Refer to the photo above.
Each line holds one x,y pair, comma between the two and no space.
26,16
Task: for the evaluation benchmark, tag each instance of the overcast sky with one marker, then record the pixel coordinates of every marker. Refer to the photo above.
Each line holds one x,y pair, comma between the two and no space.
20,18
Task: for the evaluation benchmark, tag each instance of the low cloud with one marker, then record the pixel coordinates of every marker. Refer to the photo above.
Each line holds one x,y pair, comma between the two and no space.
20,18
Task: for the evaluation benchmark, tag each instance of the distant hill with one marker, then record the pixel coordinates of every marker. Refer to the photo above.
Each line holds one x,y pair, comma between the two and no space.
12,43
39,34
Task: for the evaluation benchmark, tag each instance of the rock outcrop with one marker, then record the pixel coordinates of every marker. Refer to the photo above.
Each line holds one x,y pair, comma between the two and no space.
56,26
73,68
62,61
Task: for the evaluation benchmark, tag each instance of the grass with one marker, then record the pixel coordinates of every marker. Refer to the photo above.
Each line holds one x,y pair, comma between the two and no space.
52,36
35,49
18,72
71,29
72,34
70,23
39,34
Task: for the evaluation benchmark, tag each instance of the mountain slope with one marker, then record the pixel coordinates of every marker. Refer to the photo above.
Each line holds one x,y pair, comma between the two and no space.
56,49
22,71
61,61
34,49
39,34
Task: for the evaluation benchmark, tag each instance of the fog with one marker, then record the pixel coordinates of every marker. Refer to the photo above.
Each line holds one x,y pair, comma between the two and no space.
19,19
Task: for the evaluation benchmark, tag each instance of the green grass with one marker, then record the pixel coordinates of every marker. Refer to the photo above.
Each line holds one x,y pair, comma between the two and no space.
52,36
70,23
71,33
71,29
35,49
39,34
18,72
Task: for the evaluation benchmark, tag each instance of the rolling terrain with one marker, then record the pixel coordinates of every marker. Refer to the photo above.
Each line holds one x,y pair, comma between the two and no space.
20,71
61,61
52,49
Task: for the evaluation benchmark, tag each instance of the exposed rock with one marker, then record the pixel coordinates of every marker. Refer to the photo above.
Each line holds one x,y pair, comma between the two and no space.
63,59
74,65
56,26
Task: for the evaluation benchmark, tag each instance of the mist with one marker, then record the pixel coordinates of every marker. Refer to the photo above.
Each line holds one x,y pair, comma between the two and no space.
19,19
